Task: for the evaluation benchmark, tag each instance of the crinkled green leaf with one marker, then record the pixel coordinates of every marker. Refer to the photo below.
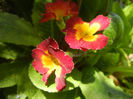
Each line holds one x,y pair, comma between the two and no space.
127,27
72,80
118,10
16,30
95,85
115,30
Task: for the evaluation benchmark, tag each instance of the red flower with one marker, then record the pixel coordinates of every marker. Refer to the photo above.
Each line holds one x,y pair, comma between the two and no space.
82,35
48,57
59,9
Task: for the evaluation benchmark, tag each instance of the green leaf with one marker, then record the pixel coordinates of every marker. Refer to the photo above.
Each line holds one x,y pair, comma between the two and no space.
39,95
24,85
11,93
95,85
16,30
88,11
19,9
72,80
129,84
6,52
131,35
12,51
71,94
108,59
127,27
17,73
115,30
118,10
128,10
9,73
123,70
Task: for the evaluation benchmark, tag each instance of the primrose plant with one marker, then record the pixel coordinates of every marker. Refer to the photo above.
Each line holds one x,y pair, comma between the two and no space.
79,35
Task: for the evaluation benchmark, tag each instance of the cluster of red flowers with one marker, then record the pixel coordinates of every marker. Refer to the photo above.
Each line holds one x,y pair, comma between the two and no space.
79,35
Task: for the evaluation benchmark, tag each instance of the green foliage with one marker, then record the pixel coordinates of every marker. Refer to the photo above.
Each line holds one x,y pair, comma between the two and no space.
95,85
88,11
127,27
128,10
16,30
108,59
115,31
38,95
8,74
6,52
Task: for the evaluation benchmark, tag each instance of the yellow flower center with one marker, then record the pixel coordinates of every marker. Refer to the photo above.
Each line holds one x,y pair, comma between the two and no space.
51,63
86,32
59,14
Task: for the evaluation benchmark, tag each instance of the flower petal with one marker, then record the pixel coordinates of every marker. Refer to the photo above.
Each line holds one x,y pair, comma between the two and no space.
47,16
48,43
60,79
99,43
73,9
37,63
65,61
101,21
71,40
59,9
46,76
71,22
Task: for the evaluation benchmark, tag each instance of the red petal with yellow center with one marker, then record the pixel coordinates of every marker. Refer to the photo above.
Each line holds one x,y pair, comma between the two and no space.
48,57
71,22
65,61
59,9
81,35
70,37
71,40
